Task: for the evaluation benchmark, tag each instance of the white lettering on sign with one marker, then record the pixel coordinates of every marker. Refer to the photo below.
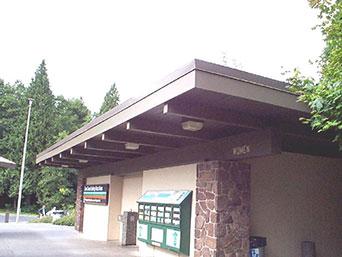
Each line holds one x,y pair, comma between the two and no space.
239,150
93,188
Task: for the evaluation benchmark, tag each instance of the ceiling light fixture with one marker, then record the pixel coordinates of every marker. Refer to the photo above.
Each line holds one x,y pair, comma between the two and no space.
132,146
192,125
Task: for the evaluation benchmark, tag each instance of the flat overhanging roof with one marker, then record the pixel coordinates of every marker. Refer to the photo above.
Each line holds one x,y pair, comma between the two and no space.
226,101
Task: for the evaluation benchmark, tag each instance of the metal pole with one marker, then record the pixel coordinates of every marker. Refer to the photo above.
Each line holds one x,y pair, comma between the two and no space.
23,161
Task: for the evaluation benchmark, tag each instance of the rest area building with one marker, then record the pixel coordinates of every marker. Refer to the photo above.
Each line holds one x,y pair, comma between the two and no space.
213,162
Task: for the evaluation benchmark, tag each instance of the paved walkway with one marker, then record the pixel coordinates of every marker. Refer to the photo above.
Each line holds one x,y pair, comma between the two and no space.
23,217
46,240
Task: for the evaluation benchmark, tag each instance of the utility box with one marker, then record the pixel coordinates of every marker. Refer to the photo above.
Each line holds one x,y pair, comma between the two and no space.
164,219
257,246
129,227
308,249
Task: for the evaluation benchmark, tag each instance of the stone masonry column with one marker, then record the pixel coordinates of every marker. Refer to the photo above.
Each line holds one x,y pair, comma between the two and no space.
81,181
222,209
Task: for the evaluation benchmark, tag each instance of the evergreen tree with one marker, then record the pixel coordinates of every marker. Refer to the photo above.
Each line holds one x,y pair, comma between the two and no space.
43,125
57,187
111,99
51,119
13,105
71,115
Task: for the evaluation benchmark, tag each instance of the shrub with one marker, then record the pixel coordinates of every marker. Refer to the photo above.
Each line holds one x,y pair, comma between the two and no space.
68,220
29,209
46,219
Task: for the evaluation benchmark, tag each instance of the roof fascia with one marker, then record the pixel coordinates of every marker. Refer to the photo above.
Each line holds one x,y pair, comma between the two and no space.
220,82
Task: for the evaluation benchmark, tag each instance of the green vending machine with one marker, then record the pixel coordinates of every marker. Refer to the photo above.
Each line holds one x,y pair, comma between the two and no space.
164,219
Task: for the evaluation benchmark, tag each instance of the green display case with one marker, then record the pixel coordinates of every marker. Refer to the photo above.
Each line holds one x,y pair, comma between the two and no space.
164,219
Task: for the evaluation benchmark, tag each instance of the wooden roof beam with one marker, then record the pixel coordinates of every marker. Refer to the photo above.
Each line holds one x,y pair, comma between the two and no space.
81,162
159,128
204,113
233,118
97,159
146,140
96,153
115,147
62,165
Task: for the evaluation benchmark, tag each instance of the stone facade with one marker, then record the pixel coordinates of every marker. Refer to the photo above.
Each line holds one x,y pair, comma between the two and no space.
79,203
222,209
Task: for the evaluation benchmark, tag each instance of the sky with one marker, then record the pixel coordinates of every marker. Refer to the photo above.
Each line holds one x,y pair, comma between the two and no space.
89,45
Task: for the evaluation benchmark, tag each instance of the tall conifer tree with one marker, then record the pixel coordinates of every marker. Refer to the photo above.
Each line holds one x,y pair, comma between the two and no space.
111,99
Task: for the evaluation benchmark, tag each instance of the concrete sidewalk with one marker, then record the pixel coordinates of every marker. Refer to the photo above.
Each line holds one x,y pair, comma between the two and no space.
46,240
23,217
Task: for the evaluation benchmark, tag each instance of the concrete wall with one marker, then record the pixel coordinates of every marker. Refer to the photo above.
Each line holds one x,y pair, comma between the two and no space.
296,198
293,198
173,178
114,203
131,192
95,224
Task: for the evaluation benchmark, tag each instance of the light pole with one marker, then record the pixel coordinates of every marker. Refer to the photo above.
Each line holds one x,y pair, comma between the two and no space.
23,161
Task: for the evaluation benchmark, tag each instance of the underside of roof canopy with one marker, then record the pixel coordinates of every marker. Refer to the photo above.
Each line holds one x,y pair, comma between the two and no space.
198,104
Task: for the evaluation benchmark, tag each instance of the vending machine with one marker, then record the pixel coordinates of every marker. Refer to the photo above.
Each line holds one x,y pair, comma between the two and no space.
164,219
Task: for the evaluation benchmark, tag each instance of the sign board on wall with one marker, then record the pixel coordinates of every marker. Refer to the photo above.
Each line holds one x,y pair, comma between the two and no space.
96,194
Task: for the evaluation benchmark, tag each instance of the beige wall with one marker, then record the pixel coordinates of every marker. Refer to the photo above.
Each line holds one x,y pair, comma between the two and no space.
131,192
296,198
95,223
114,203
173,178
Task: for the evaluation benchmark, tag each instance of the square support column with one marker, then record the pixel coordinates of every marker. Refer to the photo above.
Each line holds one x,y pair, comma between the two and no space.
222,209
81,181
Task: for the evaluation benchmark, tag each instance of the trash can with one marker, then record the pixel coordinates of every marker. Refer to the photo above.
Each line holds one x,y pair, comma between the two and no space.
257,246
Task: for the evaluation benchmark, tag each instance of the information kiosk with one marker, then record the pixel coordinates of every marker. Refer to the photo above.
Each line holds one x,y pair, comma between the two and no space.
164,219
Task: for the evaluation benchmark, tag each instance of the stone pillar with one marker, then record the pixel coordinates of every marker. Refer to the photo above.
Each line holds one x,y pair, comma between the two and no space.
81,181
222,209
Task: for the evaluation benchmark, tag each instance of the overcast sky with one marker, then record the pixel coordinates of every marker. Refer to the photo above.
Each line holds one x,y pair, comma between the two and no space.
88,45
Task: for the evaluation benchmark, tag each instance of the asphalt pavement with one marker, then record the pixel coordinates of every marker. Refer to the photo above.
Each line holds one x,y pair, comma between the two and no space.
22,218
47,240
